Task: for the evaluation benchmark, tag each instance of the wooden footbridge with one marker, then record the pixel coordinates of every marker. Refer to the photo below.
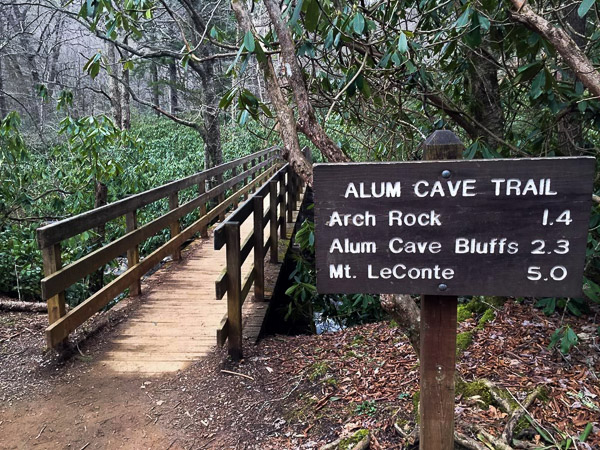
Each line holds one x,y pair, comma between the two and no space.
252,199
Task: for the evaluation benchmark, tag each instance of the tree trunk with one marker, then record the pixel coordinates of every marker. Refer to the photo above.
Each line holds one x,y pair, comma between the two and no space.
155,91
570,132
210,114
126,99
3,105
307,120
3,102
100,199
115,89
285,115
486,106
406,313
562,42
174,107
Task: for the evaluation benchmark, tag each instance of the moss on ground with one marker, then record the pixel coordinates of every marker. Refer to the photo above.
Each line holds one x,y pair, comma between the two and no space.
463,313
487,316
463,340
415,401
317,370
475,388
351,441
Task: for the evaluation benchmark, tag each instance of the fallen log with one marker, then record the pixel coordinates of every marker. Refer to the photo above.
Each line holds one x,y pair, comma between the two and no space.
20,306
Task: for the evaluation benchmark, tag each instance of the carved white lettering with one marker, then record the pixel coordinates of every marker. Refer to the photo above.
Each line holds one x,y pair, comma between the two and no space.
516,187
339,271
358,220
397,245
431,219
400,271
352,247
463,188
388,189
493,246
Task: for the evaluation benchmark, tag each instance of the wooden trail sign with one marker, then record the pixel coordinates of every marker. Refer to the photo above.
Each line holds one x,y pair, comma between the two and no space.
513,227
444,228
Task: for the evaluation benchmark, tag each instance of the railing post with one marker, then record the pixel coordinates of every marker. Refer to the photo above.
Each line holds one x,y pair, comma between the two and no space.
245,182
52,263
133,254
273,219
298,189
201,191
290,195
221,196
175,226
282,209
234,288
259,249
254,162
236,199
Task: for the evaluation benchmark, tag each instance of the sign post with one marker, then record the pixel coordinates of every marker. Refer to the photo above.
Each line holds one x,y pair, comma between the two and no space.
438,337
444,227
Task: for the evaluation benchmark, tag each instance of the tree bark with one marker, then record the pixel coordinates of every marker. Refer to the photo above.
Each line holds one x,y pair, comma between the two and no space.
126,98
173,94
101,198
570,131
154,84
307,120
15,305
285,116
115,89
406,313
486,106
3,103
562,42
210,115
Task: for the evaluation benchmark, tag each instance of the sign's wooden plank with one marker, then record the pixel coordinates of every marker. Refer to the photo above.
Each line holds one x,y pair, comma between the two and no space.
483,227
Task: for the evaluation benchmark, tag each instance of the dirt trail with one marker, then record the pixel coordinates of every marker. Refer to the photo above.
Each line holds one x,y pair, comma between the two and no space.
95,410
78,400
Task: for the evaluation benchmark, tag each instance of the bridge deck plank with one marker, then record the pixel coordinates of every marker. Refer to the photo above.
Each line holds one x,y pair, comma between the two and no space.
176,323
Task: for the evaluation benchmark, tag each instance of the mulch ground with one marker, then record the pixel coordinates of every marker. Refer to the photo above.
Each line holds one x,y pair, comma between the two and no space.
306,391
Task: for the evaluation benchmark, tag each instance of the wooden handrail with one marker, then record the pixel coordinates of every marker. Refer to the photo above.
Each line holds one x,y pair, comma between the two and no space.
65,277
228,234
245,209
59,231
58,279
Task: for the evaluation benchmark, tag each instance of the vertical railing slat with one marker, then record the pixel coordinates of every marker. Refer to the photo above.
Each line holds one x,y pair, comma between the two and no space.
175,227
273,220
52,263
133,254
203,210
234,288
282,208
259,249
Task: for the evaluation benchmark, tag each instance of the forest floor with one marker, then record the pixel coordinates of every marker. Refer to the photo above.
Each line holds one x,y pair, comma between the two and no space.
289,392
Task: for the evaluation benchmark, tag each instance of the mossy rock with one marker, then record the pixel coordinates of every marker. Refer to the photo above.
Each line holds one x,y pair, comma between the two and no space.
487,316
463,340
479,304
351,441
475,389
317,370
463,313
415,401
